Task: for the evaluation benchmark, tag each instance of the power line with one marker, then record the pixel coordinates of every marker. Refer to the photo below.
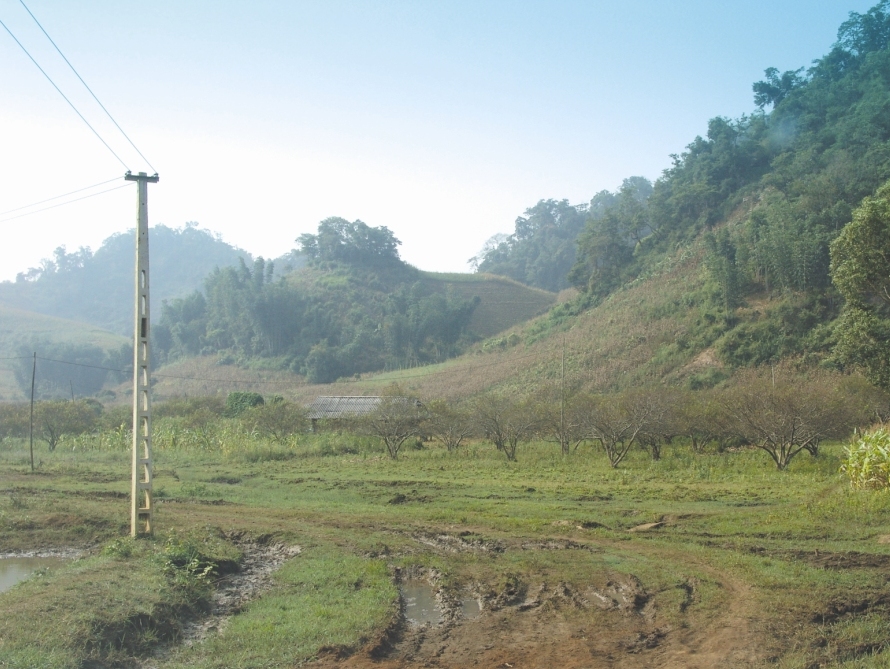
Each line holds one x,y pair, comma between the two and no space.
87,87
59,90
161,376
62,204
268,383
50,199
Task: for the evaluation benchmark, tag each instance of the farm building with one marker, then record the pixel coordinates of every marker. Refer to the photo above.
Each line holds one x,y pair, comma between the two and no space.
345,407
332,408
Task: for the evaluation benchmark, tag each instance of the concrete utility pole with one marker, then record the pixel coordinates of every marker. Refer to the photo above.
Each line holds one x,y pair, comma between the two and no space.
141,507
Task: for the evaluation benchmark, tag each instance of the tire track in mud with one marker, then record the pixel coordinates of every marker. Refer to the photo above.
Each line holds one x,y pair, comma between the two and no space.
531,631
728,641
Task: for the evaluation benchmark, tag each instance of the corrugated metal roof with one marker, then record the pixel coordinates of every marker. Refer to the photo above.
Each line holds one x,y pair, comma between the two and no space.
337,407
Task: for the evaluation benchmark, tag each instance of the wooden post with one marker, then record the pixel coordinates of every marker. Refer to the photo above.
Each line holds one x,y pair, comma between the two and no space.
141,507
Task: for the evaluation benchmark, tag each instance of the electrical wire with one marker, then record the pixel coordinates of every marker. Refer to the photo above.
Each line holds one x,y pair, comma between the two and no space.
50,199
59,90
87,87
62,204
263,383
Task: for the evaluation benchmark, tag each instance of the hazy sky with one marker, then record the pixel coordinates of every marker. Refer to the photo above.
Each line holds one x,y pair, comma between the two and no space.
440,120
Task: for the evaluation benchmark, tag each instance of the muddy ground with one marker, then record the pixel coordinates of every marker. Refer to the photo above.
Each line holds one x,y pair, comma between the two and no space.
545,625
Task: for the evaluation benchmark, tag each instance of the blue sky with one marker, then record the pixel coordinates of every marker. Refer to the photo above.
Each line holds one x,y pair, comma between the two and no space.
441,120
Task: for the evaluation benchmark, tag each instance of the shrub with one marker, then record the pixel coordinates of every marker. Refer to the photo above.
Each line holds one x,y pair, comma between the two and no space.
238,402
210,406
868,460
276,419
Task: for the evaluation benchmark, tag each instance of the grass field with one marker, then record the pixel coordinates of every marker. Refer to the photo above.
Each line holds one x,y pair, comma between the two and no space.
715,559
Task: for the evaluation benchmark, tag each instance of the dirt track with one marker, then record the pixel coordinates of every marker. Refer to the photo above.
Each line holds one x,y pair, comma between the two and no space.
551,626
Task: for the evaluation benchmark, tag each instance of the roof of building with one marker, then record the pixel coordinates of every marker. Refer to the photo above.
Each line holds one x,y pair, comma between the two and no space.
337,407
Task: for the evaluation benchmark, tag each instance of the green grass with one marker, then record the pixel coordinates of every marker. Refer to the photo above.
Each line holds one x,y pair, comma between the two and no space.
801,540
321,599
105,608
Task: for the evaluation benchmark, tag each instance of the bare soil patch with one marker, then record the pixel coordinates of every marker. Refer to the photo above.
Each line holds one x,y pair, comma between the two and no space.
539,624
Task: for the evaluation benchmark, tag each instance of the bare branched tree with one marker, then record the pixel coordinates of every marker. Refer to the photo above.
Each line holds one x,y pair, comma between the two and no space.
563,420
783,414
448,423
616,421
506,422
394,421
276,420
55,419
703,419
664,419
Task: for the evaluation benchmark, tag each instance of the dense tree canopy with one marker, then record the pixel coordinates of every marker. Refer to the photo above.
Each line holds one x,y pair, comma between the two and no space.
541,250
860,265
338,240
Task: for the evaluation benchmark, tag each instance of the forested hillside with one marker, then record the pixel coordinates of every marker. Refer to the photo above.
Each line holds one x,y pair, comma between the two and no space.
356,307
766,194
97,287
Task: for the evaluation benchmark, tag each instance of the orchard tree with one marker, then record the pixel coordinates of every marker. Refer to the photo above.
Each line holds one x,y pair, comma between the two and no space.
702,418
396,419
54,420
783,414
563,417
14,420
506,421
617,421
448,423
663,418
277,419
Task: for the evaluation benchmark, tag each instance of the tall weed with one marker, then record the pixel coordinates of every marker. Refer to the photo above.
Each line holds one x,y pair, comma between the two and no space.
868,460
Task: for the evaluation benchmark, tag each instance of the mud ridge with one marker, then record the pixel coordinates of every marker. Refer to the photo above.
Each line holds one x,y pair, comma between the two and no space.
64,553
235,590
462,543
261,558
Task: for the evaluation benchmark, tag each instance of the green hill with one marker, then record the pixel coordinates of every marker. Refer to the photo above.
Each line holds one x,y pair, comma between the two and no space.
355,308
26,332
723,262
758,201
97,287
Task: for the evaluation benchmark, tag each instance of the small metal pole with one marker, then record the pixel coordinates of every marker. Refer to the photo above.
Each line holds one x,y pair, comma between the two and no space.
564,446
31,427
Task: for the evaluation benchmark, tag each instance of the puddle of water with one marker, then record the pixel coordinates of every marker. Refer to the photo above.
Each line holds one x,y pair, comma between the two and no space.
469,606
15,569
419,599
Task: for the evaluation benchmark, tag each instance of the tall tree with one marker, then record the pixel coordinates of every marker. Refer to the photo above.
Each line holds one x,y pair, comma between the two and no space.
860,268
